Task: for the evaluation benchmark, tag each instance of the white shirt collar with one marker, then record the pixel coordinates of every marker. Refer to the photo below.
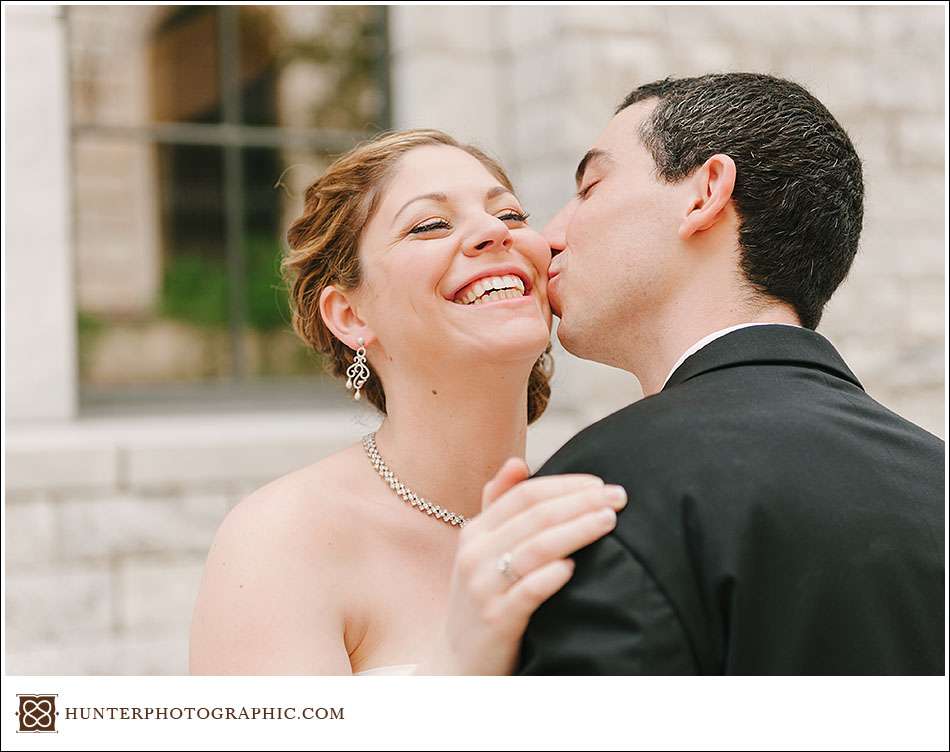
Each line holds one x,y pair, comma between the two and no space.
716,335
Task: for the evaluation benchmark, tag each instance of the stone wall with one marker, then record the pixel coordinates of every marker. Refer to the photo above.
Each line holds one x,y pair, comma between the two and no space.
536,85
109,521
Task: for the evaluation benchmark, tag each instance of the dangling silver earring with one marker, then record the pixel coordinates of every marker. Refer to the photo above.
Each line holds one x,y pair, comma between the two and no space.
546,363
358,373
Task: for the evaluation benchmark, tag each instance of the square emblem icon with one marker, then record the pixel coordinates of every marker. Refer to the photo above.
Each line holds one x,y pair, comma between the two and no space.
37,713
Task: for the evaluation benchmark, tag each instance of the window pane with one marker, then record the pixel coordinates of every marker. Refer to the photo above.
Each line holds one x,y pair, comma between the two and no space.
274,185
140,64
314,66
183,50
151,263
162,304
301,67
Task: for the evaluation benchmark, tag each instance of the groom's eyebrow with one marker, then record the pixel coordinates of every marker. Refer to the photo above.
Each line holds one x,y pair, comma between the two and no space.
594,155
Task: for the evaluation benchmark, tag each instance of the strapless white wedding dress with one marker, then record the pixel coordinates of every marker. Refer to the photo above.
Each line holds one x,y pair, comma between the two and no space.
402,668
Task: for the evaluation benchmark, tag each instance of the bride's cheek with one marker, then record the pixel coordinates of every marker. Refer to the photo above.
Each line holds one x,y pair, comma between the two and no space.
537,251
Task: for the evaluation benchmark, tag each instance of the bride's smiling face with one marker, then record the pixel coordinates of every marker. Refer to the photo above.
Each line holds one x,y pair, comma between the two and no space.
451,268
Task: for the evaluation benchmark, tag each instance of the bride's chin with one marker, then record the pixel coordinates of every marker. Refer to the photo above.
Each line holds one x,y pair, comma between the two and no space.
528,305
504,336
507,349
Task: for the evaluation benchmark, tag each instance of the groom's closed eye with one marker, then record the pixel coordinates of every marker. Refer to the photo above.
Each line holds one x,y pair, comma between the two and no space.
594,157
582,194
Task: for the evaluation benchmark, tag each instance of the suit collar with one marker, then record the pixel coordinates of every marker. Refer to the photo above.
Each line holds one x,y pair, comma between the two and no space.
760,345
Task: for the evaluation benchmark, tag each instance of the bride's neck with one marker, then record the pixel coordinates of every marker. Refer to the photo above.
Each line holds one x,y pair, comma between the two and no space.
445,435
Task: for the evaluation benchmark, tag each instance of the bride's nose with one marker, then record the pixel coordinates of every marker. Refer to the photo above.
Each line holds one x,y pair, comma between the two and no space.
492,235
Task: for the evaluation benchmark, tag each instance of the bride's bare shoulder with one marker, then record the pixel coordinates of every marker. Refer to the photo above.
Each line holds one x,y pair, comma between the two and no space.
275,590
303,503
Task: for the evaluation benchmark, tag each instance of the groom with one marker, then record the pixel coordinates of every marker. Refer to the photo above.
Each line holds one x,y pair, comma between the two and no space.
780,520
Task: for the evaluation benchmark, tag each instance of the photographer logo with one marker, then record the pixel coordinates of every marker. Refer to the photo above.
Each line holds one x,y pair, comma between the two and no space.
37,713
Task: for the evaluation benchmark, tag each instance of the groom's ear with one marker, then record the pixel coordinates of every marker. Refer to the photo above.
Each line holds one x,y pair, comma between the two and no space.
711,189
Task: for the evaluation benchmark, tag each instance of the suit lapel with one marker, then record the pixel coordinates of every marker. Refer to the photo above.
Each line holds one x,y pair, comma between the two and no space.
764,345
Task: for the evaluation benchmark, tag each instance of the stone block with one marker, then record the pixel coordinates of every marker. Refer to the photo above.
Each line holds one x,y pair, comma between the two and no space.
906,26
446,28
117,656
30,534
532,25
122,525
536,76
223,462
615,19
921,142
58,602
906,79
43,464
457,95
156,596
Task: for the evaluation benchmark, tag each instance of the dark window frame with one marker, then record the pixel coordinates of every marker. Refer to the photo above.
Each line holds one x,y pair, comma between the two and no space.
232,135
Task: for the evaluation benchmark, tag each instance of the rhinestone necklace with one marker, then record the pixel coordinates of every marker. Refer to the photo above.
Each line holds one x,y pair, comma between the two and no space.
403,491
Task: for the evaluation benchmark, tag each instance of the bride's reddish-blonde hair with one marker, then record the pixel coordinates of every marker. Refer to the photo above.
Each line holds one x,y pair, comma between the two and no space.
324,246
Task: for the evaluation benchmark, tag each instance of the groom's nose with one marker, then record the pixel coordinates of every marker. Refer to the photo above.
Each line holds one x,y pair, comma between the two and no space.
555,231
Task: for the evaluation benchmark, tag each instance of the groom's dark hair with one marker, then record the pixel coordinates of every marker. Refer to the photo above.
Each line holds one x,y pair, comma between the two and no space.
799,192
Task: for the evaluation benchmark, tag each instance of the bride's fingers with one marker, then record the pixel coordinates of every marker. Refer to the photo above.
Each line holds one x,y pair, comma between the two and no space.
552,512
529,492
524,597
511,473
561,540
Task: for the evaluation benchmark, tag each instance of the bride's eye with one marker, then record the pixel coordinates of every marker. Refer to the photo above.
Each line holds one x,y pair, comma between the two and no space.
438,224
512,215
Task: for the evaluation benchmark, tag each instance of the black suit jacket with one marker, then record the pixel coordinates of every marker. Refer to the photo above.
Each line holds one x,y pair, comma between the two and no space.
780,521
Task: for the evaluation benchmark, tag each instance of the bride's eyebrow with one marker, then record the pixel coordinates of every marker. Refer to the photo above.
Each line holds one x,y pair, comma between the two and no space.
440,197
497,191
443,199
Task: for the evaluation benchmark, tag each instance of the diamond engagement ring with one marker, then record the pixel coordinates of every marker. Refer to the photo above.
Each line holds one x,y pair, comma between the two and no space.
504,566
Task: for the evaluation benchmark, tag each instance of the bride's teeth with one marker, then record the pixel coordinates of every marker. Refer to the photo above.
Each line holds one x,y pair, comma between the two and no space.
496,295
489,289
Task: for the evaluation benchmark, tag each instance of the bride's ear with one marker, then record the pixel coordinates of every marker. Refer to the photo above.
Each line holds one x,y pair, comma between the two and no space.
338,310
711,189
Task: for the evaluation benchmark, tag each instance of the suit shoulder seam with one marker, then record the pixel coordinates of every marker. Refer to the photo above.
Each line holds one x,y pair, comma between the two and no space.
662,591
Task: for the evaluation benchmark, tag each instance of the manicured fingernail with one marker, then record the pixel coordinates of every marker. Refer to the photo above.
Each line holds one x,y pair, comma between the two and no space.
608,515
616,494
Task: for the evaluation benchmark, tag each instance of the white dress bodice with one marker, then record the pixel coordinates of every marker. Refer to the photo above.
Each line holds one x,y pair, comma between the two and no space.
402,668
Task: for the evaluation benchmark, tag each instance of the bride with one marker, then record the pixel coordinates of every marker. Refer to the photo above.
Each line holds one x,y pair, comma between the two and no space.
425,548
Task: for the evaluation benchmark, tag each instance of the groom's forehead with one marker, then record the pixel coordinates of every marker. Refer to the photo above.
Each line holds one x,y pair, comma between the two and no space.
623,129
619,142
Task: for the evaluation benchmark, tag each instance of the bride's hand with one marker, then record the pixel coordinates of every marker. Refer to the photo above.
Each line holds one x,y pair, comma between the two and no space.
539,522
